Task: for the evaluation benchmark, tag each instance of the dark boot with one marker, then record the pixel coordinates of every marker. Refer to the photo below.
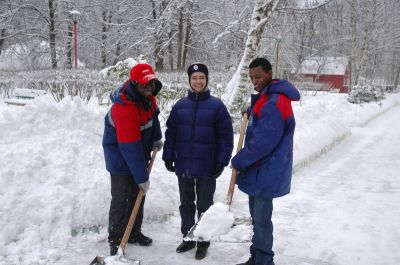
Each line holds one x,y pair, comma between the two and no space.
114,245
185,246
201,251
141,240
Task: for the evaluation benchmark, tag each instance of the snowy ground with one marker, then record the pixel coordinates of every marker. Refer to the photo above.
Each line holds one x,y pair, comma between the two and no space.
343,209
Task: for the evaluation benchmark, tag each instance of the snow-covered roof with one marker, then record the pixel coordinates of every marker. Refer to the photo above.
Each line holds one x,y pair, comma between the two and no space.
324,65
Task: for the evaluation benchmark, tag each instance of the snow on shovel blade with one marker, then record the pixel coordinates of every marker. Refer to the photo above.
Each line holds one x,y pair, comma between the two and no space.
114,260
216,221
98,261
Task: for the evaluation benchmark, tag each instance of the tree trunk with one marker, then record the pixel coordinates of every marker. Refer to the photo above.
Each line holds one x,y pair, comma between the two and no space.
69,43
238,92
180,41
52,35
366,59
159,33
2,35
170,52
353,62
104,39
186,42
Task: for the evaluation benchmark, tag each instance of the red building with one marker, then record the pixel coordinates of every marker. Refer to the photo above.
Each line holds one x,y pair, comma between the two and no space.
335,71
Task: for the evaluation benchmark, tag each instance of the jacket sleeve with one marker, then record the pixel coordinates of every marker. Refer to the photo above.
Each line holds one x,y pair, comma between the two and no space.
265,137
127,126
156,122
224,132
170,135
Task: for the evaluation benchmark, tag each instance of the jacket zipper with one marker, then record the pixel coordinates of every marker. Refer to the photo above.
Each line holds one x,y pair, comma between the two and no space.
193,129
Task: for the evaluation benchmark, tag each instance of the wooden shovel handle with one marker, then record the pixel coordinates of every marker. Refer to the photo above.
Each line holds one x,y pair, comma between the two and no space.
136,207
234,171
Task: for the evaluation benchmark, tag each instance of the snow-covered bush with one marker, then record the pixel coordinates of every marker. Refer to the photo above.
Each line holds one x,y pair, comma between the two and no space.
60,83
365,93
88,84
119,71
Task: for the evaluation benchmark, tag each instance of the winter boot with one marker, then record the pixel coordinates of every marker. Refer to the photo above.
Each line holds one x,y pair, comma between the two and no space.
114,245
140,239
185,246
201,251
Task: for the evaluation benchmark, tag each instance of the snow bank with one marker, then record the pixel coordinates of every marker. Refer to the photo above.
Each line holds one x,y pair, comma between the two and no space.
325,120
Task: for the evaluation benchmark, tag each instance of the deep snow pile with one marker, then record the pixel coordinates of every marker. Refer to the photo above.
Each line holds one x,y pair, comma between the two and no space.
54,187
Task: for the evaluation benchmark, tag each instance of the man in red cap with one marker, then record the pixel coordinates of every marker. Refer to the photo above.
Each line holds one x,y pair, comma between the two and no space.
132,130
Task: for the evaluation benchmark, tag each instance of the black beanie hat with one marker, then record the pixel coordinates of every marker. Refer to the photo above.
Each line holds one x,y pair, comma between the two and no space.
197,67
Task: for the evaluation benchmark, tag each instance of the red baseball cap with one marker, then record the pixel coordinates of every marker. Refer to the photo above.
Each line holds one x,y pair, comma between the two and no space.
143,73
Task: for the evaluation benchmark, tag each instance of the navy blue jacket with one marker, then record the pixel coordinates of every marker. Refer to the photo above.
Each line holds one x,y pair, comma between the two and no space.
199,135
129,134
265,162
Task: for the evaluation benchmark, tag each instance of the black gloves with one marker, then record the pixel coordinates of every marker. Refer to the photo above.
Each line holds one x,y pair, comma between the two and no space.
169,165
218,170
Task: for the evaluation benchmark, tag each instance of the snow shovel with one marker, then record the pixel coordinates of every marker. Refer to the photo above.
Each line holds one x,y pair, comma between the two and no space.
120,255
190,236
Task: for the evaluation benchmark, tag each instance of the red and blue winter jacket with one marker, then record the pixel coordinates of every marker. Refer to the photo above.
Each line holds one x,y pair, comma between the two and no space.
265,162
129,134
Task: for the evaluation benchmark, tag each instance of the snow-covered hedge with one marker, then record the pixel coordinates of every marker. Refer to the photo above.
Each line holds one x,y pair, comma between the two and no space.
60,83
365,93
88,84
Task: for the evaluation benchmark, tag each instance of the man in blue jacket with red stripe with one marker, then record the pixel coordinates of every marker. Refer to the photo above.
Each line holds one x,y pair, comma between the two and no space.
132,130
265,162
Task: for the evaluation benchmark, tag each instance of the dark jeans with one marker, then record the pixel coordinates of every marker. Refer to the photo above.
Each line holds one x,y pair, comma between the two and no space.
188,190
124,192
261,214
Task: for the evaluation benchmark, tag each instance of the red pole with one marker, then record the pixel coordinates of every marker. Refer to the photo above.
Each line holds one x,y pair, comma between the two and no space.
75,47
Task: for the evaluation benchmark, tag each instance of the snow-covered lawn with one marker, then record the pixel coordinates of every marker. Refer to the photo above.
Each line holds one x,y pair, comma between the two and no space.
55,191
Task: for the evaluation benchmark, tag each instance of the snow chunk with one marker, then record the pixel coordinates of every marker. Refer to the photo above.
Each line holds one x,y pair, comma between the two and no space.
217,220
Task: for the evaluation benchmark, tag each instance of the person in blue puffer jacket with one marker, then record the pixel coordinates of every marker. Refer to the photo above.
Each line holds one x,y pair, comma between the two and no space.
265,162
198,145
131,131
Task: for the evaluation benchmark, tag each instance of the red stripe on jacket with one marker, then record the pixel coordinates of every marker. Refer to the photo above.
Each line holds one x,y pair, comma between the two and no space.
283,104
128,119
260,104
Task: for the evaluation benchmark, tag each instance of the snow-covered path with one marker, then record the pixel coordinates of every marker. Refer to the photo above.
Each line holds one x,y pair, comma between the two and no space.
344,208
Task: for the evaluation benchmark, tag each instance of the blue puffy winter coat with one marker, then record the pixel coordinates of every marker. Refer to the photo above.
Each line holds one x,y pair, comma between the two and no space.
199,135
129,134
265,162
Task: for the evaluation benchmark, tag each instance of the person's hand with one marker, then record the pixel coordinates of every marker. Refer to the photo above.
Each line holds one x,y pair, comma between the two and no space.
170,165
218,170
158,145
145,186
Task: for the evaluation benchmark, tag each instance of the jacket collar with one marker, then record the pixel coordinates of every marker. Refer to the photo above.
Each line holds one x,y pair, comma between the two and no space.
198,96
